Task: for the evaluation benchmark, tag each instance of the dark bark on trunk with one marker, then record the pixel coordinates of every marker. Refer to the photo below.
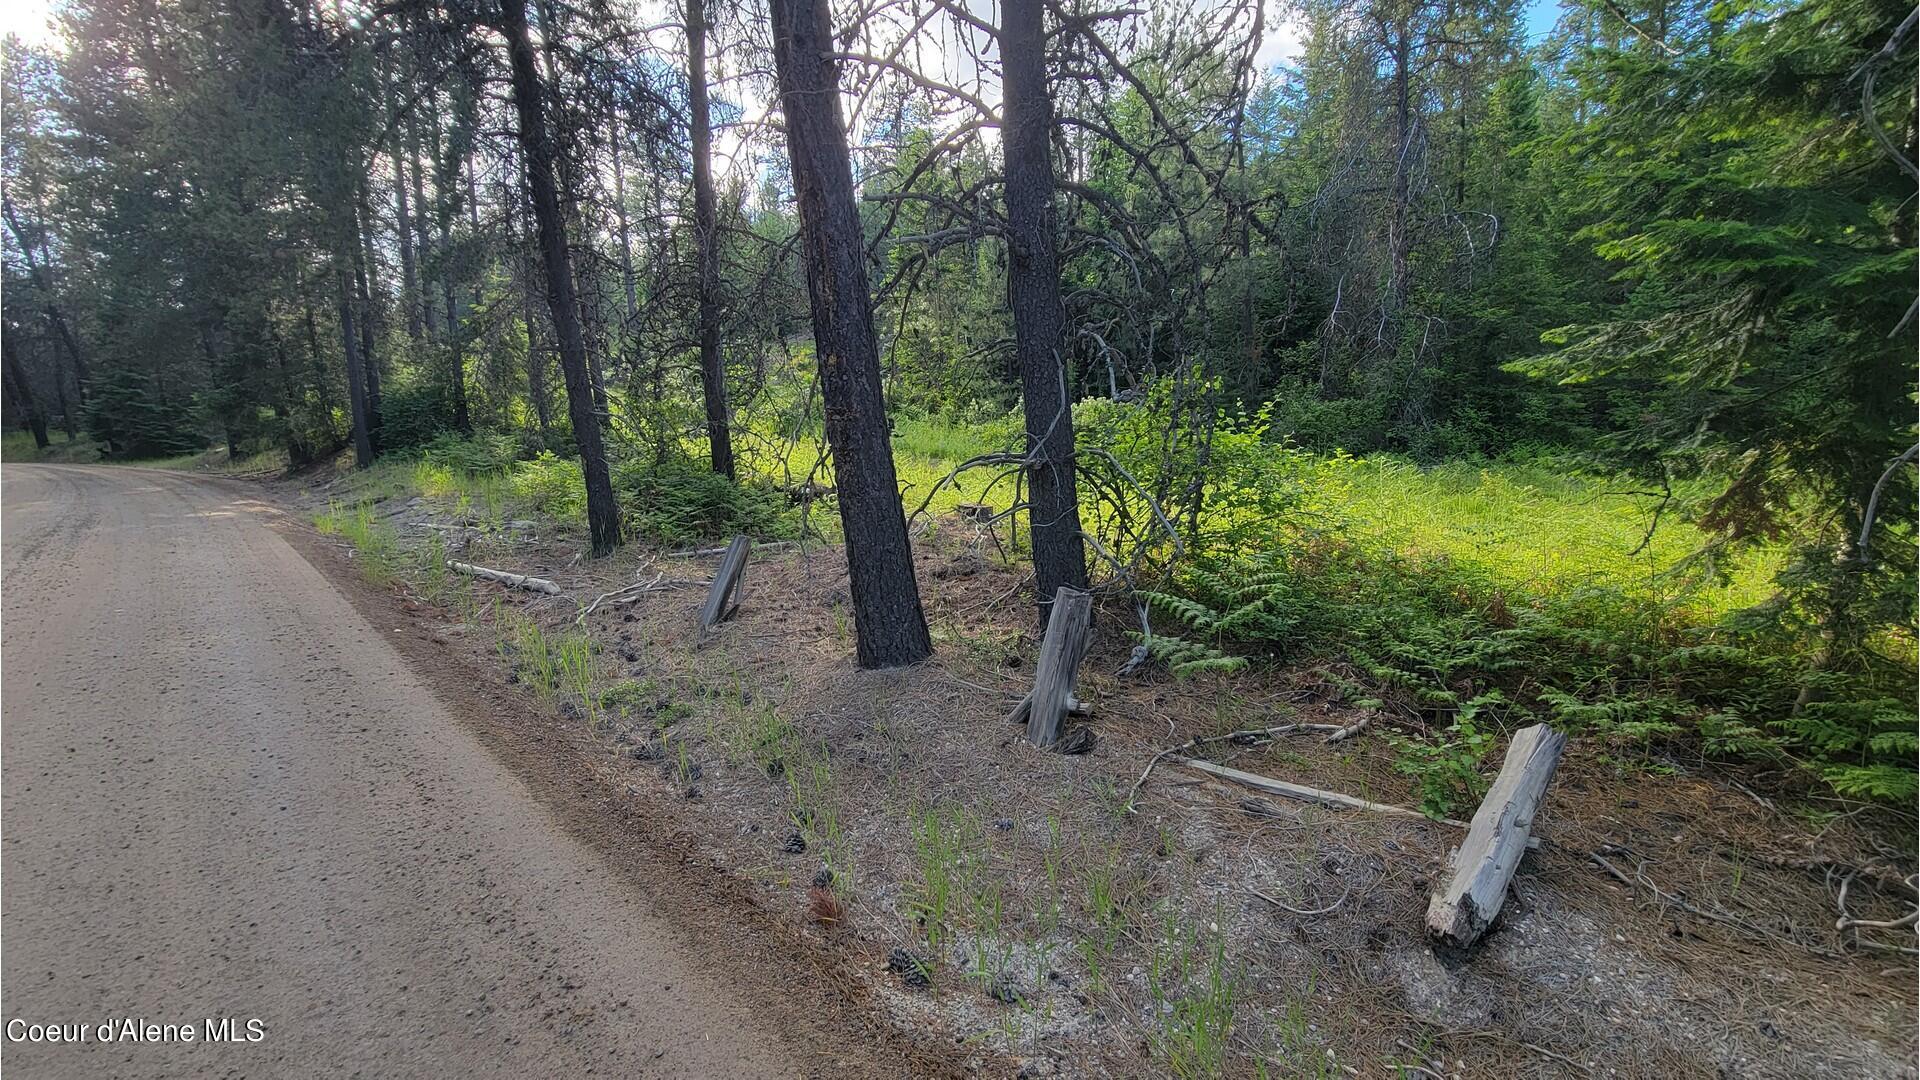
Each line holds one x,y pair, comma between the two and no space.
706,238
529,306
356,381
889,625
403,227
369,355
603,516
20,392
43,284
1039,318
564,169
67,418
417,225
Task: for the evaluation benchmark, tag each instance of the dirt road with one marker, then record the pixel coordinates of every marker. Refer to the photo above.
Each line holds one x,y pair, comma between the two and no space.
227,795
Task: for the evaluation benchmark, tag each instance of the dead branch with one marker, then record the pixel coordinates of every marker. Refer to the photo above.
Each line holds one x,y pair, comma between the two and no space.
1353,729
1302,793
1329,909
511,580
626,594
1640,879
1244,737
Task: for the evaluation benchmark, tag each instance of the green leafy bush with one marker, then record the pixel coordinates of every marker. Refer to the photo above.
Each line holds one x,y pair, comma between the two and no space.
1446,766
553,486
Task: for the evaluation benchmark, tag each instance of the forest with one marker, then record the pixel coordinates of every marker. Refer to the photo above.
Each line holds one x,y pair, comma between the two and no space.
1514,364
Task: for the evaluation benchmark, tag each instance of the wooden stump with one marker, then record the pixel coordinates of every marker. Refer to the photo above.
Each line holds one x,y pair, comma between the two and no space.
1475,888
1069,633
729,583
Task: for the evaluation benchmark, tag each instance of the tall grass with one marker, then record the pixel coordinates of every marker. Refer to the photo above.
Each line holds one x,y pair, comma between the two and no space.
18,446
375,548
1536,530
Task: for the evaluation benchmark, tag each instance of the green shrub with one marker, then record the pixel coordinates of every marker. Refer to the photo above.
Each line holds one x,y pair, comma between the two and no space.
553,486
1446,765
1441,637
480,455
679,502
415,415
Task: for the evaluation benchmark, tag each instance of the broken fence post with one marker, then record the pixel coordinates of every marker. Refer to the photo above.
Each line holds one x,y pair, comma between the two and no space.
729,582
1480,870
1069,632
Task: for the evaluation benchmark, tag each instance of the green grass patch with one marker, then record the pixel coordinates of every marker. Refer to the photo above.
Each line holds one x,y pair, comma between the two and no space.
375,548
17,446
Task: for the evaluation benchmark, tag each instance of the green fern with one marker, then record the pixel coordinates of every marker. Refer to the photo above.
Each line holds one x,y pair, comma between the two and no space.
1185,658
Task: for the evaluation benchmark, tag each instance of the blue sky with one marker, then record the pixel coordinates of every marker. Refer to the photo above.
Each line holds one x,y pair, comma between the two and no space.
1541,15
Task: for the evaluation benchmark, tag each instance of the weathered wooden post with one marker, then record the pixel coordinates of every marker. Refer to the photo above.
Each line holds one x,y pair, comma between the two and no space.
1475,888
729,583
1069,633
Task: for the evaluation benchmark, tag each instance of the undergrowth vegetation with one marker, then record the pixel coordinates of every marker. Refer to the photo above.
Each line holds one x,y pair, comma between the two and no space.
1461,601
1463,606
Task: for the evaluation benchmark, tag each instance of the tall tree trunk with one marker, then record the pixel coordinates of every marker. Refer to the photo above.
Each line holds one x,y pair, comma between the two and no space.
625,231
418,223
529,304
369,355
20,392
603,515
706,239
1039,318
356,376
403,228
456,353
889,625
565,171
67,418
43,284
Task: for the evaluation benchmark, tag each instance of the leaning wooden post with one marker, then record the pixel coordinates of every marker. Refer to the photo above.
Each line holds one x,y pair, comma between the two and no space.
729,582
1061,650
1481,868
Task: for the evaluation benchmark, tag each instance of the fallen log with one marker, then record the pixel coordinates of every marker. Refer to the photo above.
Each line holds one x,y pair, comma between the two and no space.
1069,632
729,582
512,581
1480,870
